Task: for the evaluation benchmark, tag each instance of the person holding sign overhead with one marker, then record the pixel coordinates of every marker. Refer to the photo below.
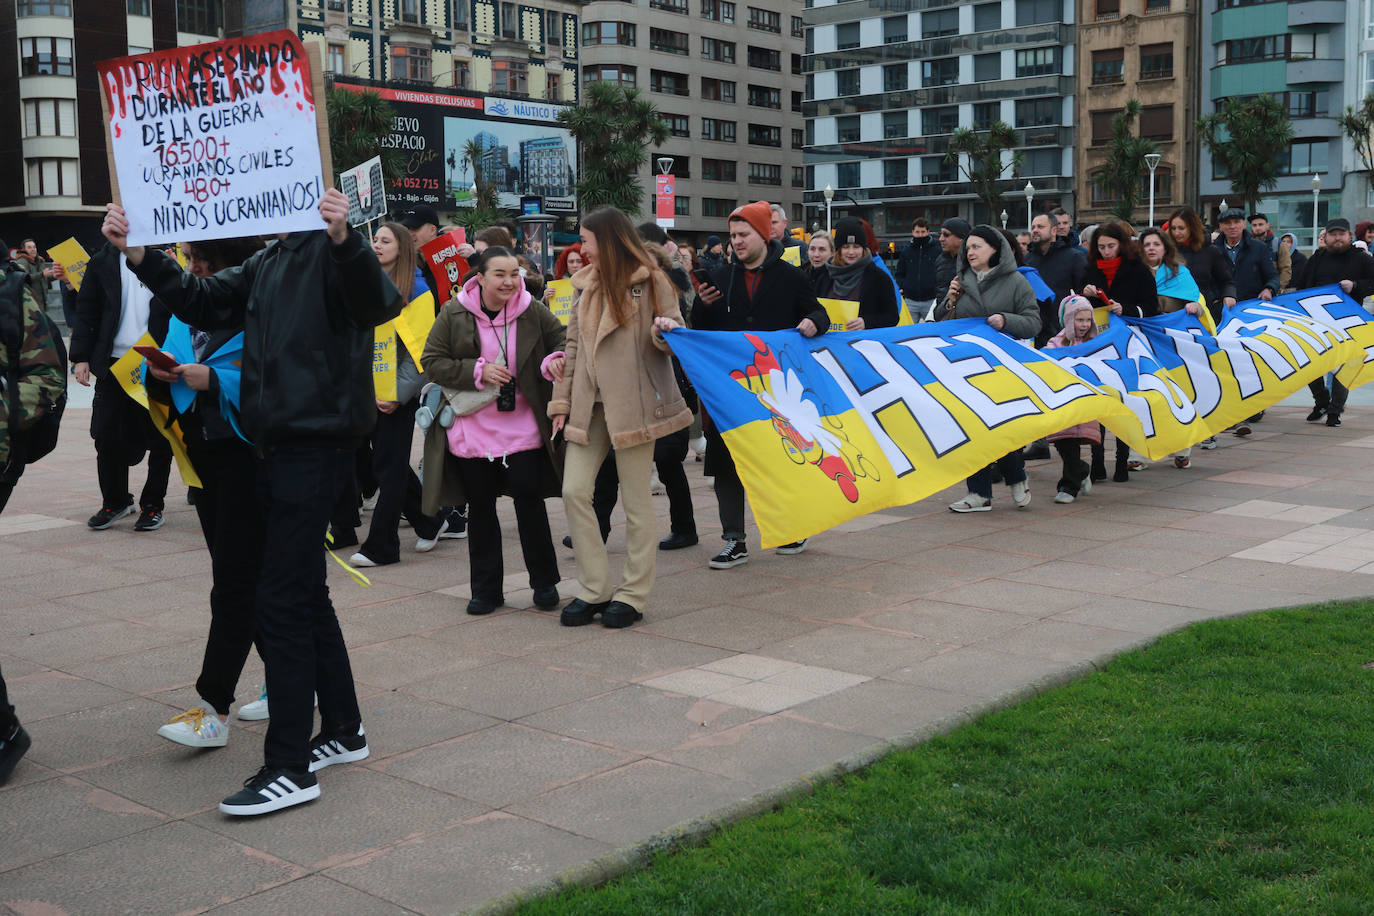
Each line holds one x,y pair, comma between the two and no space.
989,287
308,305
854,276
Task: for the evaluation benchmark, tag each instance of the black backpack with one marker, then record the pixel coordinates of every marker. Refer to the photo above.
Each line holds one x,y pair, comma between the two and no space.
29,445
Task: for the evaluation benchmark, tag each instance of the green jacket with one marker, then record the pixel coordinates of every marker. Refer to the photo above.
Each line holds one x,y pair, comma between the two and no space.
41,379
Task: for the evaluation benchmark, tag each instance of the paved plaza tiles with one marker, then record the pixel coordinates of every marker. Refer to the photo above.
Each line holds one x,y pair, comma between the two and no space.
508,752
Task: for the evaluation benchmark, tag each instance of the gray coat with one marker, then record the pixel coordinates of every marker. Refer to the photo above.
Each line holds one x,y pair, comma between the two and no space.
1002,292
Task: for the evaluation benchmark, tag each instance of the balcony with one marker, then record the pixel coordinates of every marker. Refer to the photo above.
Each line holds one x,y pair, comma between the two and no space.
1316,12
1301,72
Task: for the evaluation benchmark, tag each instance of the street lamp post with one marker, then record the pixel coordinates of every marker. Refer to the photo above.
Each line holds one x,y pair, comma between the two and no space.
665,167
1030,196
829,193
1316,190
1152,160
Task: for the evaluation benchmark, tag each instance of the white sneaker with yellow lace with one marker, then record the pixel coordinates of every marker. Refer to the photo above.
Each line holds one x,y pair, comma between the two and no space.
197,727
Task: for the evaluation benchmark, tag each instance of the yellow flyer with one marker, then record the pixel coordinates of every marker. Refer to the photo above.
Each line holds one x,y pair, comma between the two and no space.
560,298
73,259
792,255
384,361
840,311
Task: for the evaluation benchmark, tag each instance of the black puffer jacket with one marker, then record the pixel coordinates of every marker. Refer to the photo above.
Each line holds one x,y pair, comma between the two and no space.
916,268
99,304
308,308
783,299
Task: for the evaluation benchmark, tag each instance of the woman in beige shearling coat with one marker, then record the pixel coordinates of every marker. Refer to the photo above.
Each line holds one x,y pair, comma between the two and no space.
615,389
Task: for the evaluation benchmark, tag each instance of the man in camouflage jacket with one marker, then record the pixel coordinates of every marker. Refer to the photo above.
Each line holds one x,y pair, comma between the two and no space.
41,379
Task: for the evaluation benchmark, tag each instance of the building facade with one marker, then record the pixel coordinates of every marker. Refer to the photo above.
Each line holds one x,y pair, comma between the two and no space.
887,85
1295,51
1357,198
1144,50
727,78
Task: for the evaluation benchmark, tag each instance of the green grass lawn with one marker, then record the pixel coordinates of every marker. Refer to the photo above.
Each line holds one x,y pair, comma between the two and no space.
1227,769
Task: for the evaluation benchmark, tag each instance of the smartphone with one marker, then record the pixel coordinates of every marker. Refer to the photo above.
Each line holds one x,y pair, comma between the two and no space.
702,276
160,358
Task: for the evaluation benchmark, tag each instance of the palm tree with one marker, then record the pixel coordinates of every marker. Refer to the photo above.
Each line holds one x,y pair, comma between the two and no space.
1125,162
982,159
613,127
357,123
1248,138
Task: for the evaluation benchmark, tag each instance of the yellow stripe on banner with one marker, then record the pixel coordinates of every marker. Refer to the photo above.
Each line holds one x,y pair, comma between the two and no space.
384,361
128,371
413,325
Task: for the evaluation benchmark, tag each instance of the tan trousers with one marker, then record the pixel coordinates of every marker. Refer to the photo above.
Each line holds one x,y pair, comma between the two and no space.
641,526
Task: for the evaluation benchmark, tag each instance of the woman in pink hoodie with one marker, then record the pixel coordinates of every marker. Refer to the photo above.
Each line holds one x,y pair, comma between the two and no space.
488,349
1076,317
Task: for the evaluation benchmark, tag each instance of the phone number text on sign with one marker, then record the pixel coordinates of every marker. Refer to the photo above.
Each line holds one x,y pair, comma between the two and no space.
215,140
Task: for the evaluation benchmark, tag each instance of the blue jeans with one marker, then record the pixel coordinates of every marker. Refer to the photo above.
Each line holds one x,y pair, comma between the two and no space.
1012,466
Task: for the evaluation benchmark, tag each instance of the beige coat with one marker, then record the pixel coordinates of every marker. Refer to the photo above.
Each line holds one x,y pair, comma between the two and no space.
628,369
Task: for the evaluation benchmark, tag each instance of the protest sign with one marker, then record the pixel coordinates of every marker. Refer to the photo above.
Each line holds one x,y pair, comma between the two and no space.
215,140
73,259
366,193
447,266
840,311
560,298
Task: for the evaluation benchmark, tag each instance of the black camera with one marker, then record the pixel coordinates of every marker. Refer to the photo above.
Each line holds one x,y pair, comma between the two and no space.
505,398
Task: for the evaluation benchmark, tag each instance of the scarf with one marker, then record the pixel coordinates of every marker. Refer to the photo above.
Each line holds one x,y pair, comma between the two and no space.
1109,268
848,278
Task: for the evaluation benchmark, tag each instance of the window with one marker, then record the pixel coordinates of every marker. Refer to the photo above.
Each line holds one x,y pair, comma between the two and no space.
937,23
986,114
798,27
716,129
847,129
48,8
682,206
894,125
894,77
200,17
765,97
935,168
987,16
334,59
765,173
682,166
668,41
510,76
411,62
1156,6
718,11
847,82
987,67
1156,61
894,172
797,102
45,57
337,6
49,118
670,6
1108,9
894,29
1037,62
410,10
608,33
764,58
716,206
1037,112
1035,12
847,174
796,65
1304,157
612,73
136,7
798,138
714,90
1157,122
718,169
942,72
553,86
1107,66
1102,126
553,30
53,178
669,83
764,135
1248,50
939,120
847,35
720,51
798,176
1308,104
765,20
678,125
1041,162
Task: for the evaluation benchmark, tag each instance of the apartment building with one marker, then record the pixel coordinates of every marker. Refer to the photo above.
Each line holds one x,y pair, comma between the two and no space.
727,78
886,85
1144,50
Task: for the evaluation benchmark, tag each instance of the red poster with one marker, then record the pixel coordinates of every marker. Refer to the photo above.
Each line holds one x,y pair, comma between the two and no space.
445,263
665,186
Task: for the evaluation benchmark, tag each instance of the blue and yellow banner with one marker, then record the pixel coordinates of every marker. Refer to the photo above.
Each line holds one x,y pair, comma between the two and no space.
829,428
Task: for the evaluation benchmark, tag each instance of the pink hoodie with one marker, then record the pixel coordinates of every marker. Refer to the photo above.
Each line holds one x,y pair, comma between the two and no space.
490,433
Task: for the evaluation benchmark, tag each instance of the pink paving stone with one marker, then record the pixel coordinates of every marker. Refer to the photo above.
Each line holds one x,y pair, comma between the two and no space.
1263,479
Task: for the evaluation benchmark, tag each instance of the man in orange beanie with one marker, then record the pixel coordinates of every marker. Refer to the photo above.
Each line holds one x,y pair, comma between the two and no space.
758,291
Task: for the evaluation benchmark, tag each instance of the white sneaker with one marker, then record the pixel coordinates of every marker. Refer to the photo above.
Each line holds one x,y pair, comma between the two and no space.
1020,494
1086,486
362,560
1063,498
698,445
971,503
256,710
425,545
197,727
370,502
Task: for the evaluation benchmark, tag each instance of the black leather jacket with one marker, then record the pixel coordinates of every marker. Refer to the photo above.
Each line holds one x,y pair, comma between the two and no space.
308,308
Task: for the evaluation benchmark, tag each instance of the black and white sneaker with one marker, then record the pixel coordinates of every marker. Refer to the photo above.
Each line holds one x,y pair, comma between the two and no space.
271,790
793,548
325,752
107,517
733,554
